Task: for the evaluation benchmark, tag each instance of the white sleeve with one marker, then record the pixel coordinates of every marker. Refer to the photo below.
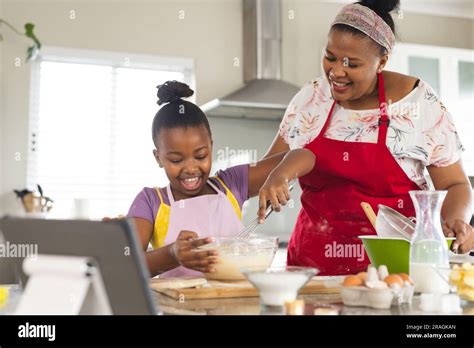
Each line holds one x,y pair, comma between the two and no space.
301,112
288,120
443,143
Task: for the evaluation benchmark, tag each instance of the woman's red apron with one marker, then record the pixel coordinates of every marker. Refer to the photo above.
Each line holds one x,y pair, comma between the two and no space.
331,219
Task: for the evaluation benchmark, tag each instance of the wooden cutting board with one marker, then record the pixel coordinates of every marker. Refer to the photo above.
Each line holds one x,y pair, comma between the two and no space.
223,289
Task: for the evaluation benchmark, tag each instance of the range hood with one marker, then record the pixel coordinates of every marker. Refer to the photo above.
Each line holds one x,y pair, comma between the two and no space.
265,95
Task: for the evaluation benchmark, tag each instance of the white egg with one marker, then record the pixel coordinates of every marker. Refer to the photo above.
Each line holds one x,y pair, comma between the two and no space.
376,284
372,275
383,272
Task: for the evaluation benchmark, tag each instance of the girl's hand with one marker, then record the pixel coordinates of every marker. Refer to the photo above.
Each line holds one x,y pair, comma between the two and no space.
274,191
462,231
183,250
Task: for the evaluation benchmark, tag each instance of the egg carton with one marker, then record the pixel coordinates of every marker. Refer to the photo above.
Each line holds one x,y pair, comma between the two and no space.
361,296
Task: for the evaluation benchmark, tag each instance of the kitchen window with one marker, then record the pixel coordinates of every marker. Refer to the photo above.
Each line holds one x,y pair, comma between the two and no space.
90,127
450,71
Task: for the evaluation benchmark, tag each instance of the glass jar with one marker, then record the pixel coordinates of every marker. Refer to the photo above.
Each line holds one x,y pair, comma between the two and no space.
429,249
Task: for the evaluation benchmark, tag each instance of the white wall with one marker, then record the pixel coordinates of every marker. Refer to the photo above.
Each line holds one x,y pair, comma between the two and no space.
211,34
304,37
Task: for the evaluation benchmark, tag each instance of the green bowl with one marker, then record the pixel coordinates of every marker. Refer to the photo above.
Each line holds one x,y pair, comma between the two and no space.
391,251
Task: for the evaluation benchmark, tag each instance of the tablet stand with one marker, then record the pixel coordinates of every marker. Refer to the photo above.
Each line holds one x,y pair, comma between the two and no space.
62,285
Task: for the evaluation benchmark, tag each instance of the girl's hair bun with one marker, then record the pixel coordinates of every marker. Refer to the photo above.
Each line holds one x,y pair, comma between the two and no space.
172,91
381,7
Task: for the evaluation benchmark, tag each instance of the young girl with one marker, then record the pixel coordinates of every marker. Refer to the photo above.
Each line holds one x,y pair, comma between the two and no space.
179,218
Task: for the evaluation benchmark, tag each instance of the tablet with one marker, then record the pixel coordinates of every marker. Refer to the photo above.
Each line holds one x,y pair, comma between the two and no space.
113,245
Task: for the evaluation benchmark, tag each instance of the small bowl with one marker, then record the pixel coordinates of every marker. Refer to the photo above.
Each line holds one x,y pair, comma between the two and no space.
234,253
391,251
277,285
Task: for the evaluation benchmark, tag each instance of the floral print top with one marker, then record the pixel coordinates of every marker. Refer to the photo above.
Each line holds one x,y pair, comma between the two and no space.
421,131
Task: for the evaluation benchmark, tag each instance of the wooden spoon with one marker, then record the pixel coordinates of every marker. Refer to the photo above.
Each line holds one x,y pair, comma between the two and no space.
369,212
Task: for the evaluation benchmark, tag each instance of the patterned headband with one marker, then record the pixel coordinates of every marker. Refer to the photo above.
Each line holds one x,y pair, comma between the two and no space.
367,21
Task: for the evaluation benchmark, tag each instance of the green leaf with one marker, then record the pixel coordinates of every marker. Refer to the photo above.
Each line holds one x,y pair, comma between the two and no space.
29,33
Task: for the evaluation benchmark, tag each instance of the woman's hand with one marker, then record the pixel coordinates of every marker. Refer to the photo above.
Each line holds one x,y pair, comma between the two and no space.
275,191
457,206
462,231
183,250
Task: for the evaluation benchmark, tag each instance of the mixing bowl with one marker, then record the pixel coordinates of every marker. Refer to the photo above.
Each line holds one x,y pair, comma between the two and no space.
235,253
393,252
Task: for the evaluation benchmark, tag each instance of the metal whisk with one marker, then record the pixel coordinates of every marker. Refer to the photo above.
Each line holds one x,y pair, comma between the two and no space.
255,223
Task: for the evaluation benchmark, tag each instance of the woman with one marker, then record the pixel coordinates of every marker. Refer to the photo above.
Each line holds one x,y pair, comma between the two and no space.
372,133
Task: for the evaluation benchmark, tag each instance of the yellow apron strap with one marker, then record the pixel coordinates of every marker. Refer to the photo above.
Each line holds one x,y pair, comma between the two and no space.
230,196
162,221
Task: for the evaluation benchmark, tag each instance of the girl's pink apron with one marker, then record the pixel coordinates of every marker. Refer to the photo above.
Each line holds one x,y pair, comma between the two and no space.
208,215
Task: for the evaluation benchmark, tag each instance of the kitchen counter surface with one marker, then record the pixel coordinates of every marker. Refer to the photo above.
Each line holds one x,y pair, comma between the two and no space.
251,306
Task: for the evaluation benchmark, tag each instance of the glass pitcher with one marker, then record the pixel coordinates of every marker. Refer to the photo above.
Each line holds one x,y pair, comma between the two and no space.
429,249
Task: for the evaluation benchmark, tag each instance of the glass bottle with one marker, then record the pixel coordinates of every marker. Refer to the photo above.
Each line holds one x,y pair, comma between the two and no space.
429,249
